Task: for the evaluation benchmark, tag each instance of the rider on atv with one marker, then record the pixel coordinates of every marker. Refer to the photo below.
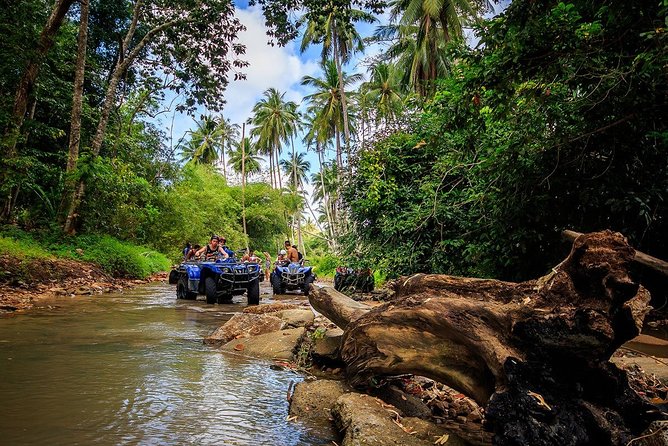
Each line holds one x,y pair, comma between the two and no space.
212,249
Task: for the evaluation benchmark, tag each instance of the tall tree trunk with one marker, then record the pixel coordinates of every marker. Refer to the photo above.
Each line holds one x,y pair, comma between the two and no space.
222,158
77,101
271,169
344,105
243,183
330,222
298,217
23,92
122,66
339,158
27,82
278,165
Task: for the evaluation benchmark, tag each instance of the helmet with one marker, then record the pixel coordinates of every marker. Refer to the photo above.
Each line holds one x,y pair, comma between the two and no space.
283,252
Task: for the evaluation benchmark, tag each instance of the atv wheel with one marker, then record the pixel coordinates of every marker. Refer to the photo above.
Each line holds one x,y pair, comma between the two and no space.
337,281
254,292
368,285
173,277
210,290
306,288
276,284
225,299
182,289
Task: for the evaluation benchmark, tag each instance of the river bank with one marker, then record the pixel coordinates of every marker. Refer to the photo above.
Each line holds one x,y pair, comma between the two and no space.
24,282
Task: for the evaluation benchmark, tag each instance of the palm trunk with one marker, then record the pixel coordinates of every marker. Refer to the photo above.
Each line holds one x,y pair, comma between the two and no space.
77,101
271,168
298,216
344,105
243,182
278,166
330,222
222,158
339,158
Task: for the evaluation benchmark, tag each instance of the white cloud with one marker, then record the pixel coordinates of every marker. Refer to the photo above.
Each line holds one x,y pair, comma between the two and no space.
270,66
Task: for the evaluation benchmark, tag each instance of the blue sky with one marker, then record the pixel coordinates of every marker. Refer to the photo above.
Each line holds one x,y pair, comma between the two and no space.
278,67
270,66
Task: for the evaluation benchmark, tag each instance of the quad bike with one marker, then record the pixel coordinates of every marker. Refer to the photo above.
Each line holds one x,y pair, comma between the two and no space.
292,276
218,280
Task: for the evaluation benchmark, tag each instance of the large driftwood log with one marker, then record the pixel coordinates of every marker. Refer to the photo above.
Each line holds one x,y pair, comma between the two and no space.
533,354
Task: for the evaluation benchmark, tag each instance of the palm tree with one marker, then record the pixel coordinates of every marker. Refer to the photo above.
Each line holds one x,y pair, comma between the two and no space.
297,168
326,102
204,144
332,26
229,137
423,29
383,91
248,155
275,121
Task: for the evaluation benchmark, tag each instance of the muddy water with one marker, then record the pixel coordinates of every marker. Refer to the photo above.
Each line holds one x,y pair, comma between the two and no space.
132,369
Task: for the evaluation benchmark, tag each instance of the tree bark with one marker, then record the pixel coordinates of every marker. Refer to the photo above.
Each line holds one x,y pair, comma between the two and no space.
27,82
534,354
344,104
25,88
122,65
77,102
646,260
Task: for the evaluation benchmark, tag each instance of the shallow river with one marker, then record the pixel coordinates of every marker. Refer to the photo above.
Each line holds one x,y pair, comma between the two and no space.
132,369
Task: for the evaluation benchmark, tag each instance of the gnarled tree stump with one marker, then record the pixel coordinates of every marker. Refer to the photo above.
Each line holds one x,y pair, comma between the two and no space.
534,354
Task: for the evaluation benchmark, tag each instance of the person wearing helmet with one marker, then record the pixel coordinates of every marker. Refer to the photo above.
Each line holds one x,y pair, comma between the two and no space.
282,257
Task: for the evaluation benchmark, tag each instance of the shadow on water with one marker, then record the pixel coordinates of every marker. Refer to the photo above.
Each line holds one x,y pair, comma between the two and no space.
132,369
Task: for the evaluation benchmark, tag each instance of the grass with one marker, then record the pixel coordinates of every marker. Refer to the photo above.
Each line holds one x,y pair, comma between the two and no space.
25,248
116,257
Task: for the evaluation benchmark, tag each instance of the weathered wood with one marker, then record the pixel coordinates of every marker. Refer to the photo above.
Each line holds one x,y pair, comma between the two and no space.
534,354
337,307
641,258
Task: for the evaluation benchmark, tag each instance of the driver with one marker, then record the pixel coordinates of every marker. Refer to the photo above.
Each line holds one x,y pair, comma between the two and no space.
293,254
212,249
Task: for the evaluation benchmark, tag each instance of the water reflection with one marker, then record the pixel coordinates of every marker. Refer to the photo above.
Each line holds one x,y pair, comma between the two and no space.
132,369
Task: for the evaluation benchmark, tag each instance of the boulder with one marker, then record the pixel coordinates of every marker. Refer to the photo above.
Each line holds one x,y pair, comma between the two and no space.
244,325
296,317
275,345
365,420
327,347
269,308
313,400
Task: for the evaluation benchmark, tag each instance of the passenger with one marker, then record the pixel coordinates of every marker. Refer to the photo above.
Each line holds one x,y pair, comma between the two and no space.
186,250
282,257
253,258
192,252
212,249
293,254
229,252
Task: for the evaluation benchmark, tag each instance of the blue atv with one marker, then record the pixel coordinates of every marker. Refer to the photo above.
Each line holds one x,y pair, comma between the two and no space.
218,280
292,276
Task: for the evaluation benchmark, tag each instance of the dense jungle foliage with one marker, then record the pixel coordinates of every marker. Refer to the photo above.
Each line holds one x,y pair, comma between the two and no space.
557,120
137,190
446,156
